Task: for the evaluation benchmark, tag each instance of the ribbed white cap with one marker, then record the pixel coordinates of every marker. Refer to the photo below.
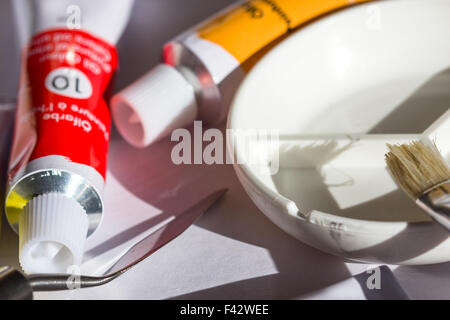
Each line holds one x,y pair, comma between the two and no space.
153,106
52,233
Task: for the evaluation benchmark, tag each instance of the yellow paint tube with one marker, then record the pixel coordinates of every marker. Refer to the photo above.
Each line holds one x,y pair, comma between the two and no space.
203,67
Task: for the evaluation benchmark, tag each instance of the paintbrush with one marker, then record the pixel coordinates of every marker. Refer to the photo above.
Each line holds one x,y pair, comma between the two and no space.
424,176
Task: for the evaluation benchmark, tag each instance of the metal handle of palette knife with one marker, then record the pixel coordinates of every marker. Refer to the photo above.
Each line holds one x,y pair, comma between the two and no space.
16,286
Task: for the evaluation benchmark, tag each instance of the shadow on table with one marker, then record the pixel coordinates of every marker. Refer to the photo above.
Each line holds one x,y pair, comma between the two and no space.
425,282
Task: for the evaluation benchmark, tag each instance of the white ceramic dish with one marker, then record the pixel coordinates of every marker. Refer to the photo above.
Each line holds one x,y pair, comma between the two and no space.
337,91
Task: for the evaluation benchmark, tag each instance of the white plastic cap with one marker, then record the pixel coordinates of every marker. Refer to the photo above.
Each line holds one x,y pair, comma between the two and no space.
153,106
52,233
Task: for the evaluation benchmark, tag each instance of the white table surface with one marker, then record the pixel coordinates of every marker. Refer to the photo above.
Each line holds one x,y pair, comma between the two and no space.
233,251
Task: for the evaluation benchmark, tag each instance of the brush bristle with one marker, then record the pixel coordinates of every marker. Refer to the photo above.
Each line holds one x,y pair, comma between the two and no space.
416,167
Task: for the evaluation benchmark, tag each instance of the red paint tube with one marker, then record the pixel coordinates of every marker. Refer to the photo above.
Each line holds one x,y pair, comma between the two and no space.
59,153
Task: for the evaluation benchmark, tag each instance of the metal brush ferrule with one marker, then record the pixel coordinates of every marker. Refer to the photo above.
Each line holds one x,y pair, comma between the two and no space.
436,202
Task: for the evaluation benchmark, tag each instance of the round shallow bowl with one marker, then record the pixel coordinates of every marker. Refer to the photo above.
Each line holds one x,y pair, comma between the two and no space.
316,113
